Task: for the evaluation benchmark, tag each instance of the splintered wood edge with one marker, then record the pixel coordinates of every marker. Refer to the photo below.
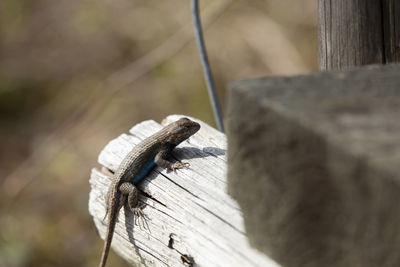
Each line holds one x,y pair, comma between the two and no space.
190,217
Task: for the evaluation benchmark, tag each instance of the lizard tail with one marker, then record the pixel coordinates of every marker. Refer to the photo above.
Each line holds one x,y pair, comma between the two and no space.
107,240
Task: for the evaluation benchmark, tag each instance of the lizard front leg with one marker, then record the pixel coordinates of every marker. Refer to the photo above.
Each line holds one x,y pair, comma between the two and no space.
161,160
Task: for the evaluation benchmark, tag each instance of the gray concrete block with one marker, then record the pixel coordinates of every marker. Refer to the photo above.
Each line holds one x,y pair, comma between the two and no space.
314,162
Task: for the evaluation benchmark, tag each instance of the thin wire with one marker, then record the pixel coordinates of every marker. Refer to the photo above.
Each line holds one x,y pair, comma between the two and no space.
206,65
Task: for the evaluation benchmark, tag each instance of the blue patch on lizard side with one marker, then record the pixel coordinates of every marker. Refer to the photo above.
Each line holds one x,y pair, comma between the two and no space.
149,165
143,172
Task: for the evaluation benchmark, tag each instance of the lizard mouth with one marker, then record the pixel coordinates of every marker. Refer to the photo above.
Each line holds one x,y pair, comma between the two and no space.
195,127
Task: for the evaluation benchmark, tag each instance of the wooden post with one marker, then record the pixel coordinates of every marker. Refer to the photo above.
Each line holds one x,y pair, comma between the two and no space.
313,161
357,32
190,219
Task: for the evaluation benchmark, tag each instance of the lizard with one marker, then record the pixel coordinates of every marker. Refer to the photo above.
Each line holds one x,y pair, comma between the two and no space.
150,152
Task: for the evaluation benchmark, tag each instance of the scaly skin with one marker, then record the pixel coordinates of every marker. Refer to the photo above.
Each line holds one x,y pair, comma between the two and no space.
136,165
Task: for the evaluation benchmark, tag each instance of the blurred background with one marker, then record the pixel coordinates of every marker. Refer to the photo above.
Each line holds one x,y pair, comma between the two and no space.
75,74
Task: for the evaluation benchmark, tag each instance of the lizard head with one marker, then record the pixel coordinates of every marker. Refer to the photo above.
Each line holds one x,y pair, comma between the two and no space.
181,130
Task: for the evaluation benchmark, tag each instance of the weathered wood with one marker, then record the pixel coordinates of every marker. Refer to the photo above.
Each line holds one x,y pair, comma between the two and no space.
391,30
313,161
357,32
189,212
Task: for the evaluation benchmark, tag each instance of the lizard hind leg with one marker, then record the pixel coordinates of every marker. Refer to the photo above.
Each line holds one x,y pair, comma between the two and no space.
132,194
129,190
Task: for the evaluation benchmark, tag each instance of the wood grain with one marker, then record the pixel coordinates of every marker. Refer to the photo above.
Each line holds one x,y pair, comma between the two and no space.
391,27
357,32
188,213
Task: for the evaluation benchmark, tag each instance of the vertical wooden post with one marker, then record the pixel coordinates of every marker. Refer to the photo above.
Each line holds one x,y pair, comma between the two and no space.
357,32
391,28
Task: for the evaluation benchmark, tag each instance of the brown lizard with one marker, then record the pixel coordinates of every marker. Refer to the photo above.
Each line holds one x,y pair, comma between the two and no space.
152,151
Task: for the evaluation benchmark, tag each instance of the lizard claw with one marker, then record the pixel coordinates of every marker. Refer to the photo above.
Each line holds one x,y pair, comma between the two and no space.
139,214
180,165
